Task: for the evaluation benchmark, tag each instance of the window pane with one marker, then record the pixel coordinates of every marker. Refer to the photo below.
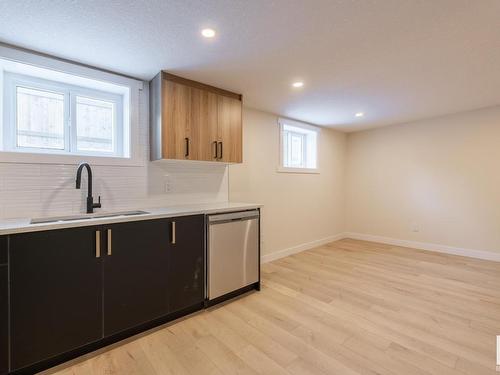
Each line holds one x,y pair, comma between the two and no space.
311,150
286,161
95,125
40,119
296,150
299,147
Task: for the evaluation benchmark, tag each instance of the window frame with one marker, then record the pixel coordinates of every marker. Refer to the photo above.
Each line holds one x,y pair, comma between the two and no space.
14,80
308,129
135,112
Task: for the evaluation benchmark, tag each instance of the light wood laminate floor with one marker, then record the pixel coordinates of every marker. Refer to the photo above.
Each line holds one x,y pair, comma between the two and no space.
350,307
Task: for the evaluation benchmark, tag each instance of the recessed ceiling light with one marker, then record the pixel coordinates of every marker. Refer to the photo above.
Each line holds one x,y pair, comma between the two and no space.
208,33
359,114
298,84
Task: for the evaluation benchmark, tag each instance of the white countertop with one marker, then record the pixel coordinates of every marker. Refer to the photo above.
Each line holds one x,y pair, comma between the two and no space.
22,225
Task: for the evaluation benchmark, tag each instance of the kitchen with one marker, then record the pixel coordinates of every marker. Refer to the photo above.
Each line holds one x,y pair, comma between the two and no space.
187,190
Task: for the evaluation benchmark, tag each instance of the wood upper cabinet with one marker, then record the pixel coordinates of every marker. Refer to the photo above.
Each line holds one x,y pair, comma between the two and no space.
194,121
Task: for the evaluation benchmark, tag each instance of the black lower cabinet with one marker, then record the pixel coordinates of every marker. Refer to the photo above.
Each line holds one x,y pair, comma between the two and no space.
3,249
4,331
135,274
56,293
186,276
75,290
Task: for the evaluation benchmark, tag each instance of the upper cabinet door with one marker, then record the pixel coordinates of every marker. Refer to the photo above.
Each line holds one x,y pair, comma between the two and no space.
135,256
203,125
55,293
230,130
176,114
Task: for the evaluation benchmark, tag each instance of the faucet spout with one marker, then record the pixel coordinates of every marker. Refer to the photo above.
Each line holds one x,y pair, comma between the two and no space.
90,199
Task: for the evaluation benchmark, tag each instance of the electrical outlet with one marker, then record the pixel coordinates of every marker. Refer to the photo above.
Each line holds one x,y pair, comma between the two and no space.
168,184
414,227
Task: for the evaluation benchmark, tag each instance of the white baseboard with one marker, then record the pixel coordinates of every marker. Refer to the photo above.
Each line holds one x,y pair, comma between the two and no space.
299,248
471,253
479,254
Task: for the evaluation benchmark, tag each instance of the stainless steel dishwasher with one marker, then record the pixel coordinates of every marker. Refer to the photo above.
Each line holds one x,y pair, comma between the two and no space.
233,253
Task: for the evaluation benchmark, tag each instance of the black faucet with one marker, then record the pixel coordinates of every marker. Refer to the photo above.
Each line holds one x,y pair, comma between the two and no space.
90,199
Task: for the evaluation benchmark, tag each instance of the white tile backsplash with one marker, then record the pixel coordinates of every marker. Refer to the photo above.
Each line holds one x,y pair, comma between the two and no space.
35,190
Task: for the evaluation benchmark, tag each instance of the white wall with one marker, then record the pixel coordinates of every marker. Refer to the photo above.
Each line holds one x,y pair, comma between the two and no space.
434,181
35,190
299,209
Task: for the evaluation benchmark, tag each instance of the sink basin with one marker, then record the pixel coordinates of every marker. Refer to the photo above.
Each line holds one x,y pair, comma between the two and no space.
103,215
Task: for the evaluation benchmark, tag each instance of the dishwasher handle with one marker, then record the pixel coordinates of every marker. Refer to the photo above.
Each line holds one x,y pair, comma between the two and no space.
233,216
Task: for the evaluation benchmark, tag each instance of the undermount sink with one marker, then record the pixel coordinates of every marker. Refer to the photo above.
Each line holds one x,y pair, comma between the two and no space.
86,217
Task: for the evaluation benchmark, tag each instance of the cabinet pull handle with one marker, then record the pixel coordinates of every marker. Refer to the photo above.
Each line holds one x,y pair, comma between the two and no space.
172,241
110,241
97,244
187,147
221,151
215,150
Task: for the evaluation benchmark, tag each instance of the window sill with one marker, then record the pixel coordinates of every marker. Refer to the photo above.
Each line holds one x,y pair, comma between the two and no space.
298,170
43,158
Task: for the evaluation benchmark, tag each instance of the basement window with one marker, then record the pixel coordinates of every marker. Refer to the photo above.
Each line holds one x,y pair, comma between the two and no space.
298,147
48,112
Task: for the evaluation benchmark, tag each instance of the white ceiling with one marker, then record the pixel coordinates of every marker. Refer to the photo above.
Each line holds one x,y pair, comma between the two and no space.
394,60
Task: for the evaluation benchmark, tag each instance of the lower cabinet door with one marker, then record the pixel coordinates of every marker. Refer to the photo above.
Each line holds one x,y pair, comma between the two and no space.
135,273
56,294
186,274
4,347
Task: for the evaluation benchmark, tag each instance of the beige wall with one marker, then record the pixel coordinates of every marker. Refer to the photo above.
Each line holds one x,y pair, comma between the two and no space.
298,208
435,181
